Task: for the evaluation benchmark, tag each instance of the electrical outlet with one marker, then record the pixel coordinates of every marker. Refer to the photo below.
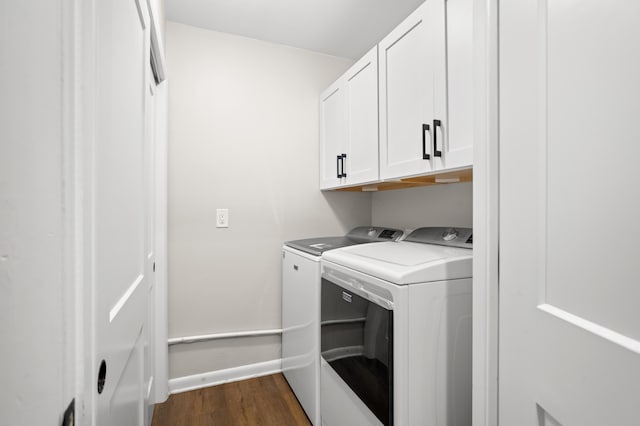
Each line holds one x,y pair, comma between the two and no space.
222,218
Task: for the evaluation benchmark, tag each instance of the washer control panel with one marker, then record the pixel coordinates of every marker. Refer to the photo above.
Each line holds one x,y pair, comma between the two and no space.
375,233
454,237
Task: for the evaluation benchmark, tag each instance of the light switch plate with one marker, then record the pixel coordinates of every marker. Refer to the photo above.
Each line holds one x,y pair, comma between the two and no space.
222,218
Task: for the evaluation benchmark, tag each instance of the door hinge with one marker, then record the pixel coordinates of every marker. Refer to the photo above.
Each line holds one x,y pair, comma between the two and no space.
68,418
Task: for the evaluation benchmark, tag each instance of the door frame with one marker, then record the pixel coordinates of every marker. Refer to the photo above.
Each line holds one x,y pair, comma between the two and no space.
77,41
485,214
160,369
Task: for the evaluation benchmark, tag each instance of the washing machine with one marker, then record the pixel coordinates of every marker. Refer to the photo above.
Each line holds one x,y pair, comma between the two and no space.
396,331
301,309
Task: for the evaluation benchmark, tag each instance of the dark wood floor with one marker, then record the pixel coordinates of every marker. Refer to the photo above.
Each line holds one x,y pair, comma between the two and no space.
262,401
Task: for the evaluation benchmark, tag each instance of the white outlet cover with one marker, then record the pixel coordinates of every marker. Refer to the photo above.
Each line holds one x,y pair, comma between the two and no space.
222,218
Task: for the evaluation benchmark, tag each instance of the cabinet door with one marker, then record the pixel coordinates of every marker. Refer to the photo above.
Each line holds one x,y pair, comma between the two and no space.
361,91
406,98
453,80
333,133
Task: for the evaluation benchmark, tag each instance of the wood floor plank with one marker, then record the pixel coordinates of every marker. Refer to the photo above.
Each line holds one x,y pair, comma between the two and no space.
262,401
292,404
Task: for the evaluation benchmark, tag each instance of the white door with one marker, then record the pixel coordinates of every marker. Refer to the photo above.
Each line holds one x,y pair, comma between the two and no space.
406,97
361,91
569,207
117,212
333,135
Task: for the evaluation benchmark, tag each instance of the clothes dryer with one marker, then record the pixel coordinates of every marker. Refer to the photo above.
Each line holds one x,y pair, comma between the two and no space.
396,331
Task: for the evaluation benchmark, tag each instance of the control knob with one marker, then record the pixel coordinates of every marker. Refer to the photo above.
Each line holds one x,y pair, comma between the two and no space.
450,234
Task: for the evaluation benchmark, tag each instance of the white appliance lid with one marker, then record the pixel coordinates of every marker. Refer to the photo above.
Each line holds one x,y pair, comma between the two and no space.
405,262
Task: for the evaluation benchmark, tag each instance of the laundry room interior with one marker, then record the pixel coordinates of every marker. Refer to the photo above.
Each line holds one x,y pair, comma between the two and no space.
243,135
336,213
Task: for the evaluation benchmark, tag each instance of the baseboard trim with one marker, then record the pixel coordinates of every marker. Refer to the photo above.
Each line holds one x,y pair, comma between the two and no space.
212,378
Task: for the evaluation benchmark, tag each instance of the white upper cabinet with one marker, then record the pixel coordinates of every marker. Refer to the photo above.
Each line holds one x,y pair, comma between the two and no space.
425,86
420,77
349,126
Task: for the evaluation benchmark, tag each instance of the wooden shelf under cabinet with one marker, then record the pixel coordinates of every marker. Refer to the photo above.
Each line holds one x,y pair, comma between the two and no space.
456,176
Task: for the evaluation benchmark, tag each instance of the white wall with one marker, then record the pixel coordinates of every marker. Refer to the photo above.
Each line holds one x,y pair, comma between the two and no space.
36,376
438,205
243,135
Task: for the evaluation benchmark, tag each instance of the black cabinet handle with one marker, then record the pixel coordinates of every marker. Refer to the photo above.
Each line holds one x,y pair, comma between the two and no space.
344,157
338,159
436,124
425,130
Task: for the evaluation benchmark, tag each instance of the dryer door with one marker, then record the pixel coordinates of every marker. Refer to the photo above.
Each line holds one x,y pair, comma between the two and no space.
357,342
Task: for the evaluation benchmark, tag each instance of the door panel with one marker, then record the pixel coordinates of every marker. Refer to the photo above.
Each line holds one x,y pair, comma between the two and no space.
592,112
333,134
406,97
585,375
455,76
127,399
120,261
361,88
568,298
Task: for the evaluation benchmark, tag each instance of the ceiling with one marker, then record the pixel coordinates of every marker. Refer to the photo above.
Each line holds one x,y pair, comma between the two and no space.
346,28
